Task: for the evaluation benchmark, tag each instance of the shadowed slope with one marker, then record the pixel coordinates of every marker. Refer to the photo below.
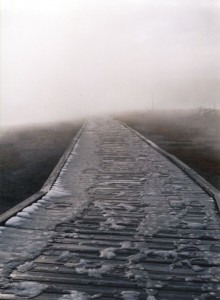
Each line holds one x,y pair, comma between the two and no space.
28,156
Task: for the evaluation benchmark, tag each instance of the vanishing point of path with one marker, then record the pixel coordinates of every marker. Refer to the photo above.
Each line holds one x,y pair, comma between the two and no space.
120,222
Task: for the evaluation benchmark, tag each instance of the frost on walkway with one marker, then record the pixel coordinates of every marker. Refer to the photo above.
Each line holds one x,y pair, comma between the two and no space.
120,222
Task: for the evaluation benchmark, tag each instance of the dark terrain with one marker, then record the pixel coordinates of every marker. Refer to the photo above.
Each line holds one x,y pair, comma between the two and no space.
193,136
27,157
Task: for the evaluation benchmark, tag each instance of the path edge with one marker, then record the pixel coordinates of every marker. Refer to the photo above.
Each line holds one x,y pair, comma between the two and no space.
48,183
205,185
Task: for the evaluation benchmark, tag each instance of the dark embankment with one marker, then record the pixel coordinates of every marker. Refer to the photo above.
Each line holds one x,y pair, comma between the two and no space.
28,156
192,136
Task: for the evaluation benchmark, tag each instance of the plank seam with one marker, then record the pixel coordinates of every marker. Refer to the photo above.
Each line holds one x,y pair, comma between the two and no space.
199,180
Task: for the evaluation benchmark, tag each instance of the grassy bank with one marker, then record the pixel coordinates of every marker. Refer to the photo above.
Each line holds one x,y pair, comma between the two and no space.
28,156
192,136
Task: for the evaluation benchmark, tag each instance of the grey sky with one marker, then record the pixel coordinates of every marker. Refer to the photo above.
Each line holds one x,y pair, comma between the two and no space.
62,59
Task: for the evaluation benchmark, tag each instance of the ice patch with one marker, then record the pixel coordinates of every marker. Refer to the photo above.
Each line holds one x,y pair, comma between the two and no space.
206,296
151,294
108,252
197,268
79,266
113,223
163,253
30,209
14,221
187,263
130,295
105,269
70,264
75,295
26,289
58,192
25,267
66,255
188,279
126,245
97,296
99,204
24,214
136,258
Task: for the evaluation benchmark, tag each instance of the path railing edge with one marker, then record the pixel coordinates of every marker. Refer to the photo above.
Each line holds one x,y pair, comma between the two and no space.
205,185
48,183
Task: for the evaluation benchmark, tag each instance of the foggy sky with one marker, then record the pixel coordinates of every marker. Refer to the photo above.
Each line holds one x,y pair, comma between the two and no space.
61,59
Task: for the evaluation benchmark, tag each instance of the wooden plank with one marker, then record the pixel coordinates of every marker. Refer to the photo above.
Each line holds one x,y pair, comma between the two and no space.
48,184
205,185
173,261
79,279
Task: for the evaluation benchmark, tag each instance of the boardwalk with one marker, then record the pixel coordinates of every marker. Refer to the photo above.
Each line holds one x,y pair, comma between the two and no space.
120,222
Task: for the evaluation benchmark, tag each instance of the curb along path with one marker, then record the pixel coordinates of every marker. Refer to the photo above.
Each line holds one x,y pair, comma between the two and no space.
120,222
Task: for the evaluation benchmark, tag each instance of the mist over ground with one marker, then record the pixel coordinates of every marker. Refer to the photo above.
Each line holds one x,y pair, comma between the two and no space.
61,60
192,136
28,154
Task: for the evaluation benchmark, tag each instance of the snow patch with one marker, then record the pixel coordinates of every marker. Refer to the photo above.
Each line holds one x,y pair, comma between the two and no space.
58,192
24,214
75,295
25,267
113,223
14,221
81,267
66,255
105,269
136,257
126,245
30,209
108,252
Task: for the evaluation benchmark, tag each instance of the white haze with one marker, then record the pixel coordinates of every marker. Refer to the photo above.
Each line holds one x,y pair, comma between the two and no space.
62,59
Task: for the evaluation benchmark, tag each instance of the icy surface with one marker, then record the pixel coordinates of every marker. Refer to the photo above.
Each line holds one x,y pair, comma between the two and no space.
26,289
14,221
82,267
24,214
108,252
25,267
27,234
130,295
126,245
74,295
111,223
66,255
105,269
138,201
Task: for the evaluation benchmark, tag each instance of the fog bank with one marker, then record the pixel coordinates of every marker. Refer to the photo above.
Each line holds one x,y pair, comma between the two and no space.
62,60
